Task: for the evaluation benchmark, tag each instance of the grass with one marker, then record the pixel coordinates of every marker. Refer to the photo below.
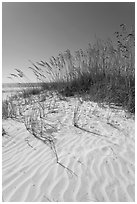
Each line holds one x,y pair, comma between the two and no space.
104,72
9,108
30,91
5,112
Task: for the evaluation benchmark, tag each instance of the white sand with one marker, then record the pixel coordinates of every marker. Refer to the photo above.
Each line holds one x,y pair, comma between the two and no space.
100,161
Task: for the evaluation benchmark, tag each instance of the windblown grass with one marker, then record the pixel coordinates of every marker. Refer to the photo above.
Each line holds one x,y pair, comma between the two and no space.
106,73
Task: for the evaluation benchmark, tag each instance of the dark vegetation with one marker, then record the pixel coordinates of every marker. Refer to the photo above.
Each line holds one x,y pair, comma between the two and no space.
103,73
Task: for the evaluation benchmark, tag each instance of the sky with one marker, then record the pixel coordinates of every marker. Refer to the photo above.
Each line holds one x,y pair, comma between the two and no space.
38,30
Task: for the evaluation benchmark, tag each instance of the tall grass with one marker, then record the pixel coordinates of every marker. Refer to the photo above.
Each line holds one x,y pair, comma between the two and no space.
104,71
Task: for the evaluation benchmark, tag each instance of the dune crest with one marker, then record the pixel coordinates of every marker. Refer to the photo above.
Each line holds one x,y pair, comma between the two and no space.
96,159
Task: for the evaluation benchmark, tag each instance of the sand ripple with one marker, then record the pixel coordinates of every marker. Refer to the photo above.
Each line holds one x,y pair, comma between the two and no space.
101,168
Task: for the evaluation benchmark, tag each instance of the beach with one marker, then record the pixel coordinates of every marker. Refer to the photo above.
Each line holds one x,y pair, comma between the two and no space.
91,157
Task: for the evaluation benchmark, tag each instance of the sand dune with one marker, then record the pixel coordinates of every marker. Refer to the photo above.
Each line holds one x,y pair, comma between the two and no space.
97,164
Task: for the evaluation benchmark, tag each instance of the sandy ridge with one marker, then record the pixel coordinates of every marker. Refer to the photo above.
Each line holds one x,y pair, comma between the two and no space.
102,164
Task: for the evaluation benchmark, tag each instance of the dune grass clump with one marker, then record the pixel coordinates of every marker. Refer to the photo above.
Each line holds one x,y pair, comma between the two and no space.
105,71
25,87
5,112
25,93
9,108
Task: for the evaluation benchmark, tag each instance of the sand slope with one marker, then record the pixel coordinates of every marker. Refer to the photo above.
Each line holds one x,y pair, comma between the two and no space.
100,161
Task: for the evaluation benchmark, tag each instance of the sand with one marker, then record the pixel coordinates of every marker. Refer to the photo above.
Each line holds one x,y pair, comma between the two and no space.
96,157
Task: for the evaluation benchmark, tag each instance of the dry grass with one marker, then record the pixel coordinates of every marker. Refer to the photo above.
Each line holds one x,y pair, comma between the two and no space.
104,71
5,113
